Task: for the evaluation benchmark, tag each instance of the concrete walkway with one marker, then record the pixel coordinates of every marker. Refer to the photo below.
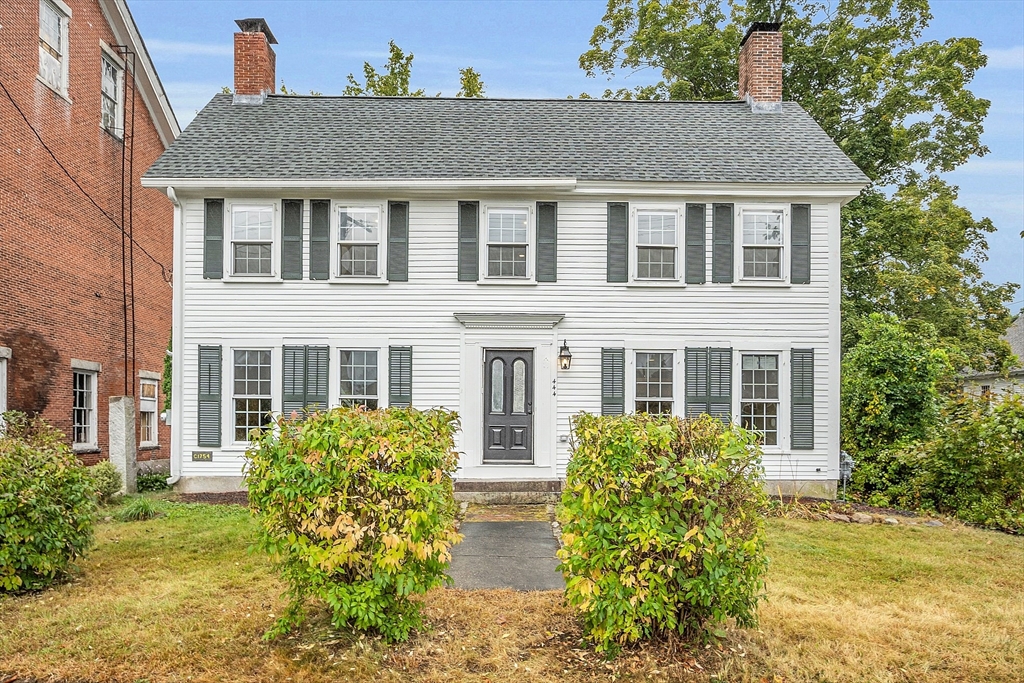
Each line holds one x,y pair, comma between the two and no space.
518,555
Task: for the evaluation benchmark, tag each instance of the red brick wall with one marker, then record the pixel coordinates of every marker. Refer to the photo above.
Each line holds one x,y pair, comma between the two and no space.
60,258
761,67
255,64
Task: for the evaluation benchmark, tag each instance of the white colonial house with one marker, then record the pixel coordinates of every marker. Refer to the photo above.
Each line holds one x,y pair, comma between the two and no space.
456,252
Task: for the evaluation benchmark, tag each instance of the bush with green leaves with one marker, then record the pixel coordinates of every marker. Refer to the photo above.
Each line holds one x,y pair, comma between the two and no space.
106,482
156,481
356,508
47,505
663,527
138,509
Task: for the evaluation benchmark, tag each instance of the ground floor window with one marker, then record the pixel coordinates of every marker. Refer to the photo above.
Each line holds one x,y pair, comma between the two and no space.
83,408
251,391
759,409
147,412
3,390
653,382
358,378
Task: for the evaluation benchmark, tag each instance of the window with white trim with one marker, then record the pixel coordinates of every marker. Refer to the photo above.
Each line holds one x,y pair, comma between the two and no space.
251,391
111,102
3,390
759,407
148,432
657,238
53,46
508,243
83,409
359,230
358,373
763,237
252,239
654,380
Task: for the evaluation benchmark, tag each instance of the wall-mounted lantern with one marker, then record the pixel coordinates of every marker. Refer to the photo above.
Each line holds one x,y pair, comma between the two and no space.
564,357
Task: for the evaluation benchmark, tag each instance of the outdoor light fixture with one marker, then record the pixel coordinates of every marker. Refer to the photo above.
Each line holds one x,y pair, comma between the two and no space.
564,357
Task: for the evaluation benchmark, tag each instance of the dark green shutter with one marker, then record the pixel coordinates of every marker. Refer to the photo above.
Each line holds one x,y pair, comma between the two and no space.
213,239
400,376
801,369
320,239
696,272
291,239
469,235
722,243
398,241
547,241
209,396
800,236
613,381
293,386
618,242
698,398
720,384
317,361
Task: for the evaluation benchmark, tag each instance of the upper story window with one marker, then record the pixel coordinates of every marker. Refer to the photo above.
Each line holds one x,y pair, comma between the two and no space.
53,44
359,231
252,240
763,240
508,243
111,102
656,245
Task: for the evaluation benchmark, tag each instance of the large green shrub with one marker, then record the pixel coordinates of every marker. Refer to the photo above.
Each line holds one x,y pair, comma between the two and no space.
663,527
356,508
106,482
47,506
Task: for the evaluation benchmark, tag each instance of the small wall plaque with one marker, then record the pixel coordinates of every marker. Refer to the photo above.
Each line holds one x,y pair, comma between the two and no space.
202,456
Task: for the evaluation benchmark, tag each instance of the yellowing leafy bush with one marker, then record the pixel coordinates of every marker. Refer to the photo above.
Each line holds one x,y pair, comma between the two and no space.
46,505
663,525
106,482
356,508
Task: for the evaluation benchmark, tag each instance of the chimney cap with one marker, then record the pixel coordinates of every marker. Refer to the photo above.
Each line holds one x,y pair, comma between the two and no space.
256,25
769,26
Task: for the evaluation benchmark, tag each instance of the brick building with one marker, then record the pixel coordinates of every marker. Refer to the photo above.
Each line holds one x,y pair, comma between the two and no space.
85,313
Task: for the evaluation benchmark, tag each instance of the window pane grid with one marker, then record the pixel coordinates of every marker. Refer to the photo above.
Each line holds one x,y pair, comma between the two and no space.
506,261
762,229
654,377
109,95
358,260
656,228
251,391
762,262
252,234
358,242
507,227
82,402
358,372
147,411
508,242
759,409
656,262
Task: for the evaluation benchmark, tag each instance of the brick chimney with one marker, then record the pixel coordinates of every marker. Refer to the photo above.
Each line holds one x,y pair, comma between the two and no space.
761,67
255,61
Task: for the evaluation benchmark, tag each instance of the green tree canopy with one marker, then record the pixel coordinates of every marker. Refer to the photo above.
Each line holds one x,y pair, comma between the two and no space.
394,79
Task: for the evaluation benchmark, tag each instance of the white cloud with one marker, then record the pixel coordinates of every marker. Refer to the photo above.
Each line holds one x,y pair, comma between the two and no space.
1006,58
174,49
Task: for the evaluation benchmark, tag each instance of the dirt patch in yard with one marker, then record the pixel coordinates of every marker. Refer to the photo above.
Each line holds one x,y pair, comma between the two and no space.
226,498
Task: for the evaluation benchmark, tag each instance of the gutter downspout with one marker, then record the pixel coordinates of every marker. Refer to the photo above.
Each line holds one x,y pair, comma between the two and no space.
177,335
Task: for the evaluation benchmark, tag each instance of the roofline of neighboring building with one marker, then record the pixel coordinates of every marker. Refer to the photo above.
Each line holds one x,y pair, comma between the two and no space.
150,88
300,96
1015,372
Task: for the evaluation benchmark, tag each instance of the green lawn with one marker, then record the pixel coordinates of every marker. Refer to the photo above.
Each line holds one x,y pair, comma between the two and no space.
180,598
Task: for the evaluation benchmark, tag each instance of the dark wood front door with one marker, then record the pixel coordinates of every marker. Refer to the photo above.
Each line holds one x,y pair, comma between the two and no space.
508,406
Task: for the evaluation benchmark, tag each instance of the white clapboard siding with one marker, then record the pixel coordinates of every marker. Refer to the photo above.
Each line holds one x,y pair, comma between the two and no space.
419,313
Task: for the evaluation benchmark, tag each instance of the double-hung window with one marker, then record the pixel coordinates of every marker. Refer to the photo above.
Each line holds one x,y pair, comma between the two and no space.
3,388
359,249
654,380
111,103
508,243
83,409
252,239
358,372
251,391
53,45
656,239
147,412
759,407
763,234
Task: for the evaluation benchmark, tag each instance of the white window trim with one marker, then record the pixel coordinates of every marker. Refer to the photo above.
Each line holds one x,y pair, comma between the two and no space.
115,59
93,444
3,388
62,9
784,400
382,242
678,385
229,405
275,242
156,414
531,243
784,269
382,371
634,244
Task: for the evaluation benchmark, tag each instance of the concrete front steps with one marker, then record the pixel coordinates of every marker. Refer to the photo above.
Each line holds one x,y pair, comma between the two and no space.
508,492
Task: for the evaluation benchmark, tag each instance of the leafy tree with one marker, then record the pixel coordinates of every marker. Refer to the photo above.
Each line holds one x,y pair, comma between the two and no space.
897,105
285,91
470,83
394,79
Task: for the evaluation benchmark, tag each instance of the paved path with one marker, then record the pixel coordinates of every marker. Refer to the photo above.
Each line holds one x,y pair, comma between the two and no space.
518,555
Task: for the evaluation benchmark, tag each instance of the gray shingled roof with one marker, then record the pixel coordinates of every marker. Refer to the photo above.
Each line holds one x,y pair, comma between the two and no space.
349,138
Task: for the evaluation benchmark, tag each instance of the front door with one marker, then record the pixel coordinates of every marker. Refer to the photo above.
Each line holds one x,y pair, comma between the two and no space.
508,406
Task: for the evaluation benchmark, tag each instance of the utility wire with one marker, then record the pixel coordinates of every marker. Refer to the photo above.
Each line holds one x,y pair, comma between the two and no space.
163,270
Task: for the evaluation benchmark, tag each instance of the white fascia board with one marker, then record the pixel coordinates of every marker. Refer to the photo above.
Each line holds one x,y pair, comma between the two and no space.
843,192
119,17
387,185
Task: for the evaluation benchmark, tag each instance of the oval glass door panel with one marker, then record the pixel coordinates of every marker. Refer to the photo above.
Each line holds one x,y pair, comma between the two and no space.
519,386
497,386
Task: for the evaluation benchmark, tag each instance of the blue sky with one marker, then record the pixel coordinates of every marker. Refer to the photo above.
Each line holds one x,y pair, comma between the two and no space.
531,48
